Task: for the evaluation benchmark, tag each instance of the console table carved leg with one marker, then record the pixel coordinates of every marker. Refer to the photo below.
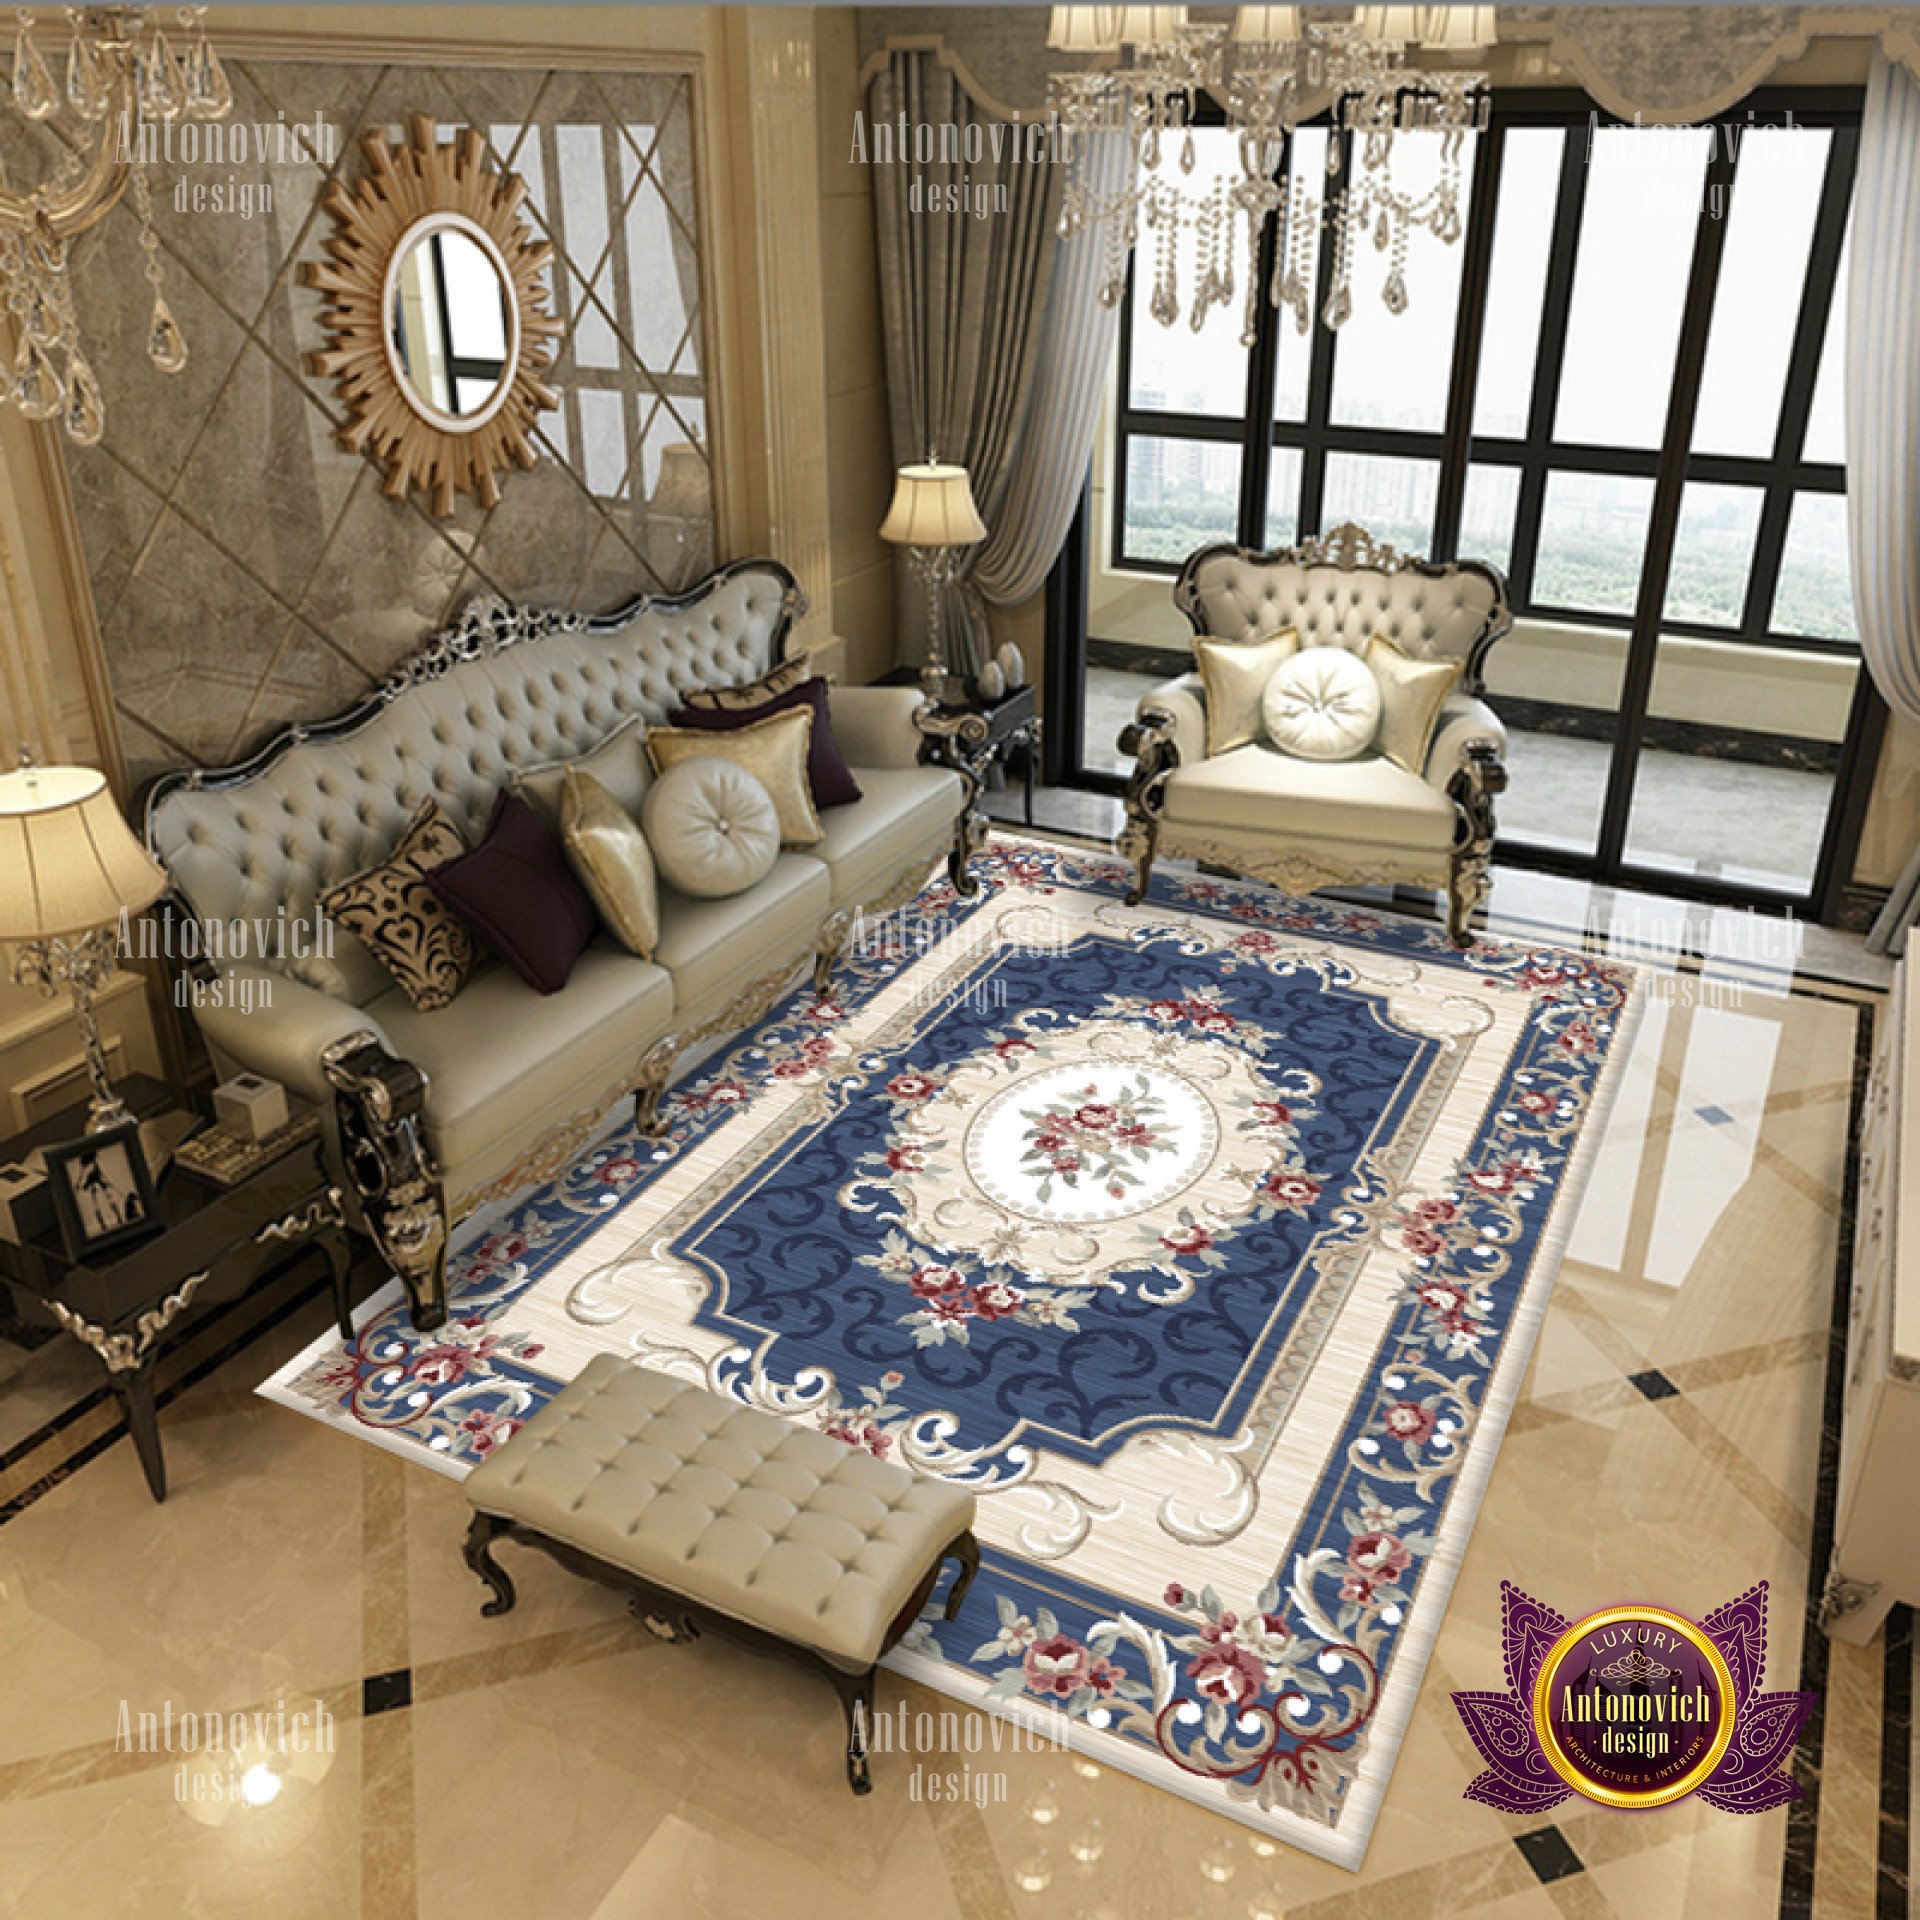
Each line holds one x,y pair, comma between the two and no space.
134,1391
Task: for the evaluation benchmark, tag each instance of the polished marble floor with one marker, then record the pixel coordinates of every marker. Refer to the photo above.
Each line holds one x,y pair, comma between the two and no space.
559,1763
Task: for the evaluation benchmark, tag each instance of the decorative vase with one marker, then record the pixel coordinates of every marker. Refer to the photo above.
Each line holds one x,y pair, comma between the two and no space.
1013,666
990,683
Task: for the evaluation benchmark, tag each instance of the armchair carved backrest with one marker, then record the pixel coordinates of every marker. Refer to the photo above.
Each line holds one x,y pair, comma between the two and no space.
503,687
1341,590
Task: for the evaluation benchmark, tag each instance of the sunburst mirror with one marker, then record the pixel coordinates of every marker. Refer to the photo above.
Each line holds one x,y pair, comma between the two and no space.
437,316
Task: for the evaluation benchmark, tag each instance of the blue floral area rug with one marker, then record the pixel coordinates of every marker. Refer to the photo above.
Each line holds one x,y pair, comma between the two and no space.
1206,1240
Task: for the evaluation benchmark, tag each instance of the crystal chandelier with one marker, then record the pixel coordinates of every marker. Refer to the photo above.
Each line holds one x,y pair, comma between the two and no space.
121,76
1269,72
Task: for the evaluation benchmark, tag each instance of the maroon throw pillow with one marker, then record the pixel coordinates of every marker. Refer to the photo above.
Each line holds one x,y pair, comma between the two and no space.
829,779
516,891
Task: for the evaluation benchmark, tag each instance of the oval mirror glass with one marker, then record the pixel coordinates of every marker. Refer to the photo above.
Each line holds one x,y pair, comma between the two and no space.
452,323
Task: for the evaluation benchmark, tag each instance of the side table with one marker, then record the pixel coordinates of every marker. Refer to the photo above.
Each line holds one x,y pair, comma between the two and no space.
1012,724
210,1245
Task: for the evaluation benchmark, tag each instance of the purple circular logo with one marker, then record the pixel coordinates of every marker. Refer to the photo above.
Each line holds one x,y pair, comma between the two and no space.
1634,1706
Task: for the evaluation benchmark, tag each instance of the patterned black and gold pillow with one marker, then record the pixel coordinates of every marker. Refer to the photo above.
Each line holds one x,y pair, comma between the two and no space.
410,930
781,679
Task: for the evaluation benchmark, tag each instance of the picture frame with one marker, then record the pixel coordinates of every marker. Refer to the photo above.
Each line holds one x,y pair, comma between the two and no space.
103,1191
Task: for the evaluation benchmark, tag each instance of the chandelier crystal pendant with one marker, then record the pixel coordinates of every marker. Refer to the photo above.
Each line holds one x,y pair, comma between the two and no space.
122,76
1268,73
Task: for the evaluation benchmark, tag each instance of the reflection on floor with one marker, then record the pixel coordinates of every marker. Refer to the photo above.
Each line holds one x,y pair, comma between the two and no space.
1759,826
1667,1446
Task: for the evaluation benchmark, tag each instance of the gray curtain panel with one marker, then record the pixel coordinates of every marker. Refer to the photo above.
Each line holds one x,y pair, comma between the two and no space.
968,248
1883,420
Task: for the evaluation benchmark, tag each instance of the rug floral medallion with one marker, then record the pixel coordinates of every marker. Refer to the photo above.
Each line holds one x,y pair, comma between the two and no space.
1205,1240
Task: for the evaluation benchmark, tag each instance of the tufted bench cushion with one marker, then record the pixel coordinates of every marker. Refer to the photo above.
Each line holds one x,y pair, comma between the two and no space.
774,1525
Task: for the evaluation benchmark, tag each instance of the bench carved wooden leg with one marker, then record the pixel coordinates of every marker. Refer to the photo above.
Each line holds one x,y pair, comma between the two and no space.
856,1696
967,1551
478,1552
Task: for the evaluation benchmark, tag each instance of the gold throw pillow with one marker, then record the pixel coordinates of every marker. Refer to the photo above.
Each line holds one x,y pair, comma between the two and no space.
773,750
1235,674
610,857
407,927
1412,693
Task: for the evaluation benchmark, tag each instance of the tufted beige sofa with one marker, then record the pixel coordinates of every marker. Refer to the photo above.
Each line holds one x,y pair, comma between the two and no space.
433,1114
1302,824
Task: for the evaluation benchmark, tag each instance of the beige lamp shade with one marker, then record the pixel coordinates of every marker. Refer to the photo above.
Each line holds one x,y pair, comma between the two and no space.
1460,29
1151,26
933,507
68,862
685,491
1262,26
1083,29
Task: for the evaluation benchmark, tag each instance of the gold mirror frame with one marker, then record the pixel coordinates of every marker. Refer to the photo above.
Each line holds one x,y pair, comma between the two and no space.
409,191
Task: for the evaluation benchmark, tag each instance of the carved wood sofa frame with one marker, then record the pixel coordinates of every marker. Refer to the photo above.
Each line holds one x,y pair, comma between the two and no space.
1149,739
379,1101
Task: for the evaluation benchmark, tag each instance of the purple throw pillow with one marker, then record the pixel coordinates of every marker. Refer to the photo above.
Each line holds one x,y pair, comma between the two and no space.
829,779
516,891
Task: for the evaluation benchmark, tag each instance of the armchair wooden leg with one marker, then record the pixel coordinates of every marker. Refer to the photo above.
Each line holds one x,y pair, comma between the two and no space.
1470,866
1150,740
856,1696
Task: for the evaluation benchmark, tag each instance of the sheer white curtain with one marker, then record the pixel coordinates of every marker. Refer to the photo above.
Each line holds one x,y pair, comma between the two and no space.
1883,417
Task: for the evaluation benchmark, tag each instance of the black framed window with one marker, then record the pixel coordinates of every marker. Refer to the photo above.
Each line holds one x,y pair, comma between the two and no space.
1553,343
1622,388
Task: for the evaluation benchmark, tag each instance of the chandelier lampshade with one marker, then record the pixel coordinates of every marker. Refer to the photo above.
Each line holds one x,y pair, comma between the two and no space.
1083,29
1151,26
1393,24
1266,26
1460,29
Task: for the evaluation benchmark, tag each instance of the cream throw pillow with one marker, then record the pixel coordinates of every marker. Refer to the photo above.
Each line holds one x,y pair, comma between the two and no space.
1235,674
1323,704
712,826
773,750
1412,693
610,857
619,763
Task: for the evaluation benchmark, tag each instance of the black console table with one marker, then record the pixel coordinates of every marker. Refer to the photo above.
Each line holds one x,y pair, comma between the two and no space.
210,1244
1013,723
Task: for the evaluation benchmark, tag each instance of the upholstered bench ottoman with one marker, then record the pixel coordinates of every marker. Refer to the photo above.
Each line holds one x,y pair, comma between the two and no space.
709,1513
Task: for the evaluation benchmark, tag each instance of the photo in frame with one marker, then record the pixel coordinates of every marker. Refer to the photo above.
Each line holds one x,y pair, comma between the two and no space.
103,1191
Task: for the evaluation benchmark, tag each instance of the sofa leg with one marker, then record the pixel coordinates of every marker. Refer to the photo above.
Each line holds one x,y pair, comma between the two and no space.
1150,740
377,1103
969,836
478,1554
656,1070
828,945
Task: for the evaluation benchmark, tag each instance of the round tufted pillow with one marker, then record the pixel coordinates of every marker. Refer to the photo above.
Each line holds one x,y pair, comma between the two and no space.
711,826
1323,704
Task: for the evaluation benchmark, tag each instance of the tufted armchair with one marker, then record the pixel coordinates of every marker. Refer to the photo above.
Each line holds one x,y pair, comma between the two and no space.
1302,824
432,1115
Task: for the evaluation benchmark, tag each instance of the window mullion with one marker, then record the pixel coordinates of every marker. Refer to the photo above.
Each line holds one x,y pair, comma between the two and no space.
1554,308
1469,324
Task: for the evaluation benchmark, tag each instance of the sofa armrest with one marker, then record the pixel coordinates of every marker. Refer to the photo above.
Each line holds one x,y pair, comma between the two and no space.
1185,699
1462,718
874,725
274,1026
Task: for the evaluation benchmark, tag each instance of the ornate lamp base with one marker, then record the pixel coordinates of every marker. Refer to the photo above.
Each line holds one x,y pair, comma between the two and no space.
83,965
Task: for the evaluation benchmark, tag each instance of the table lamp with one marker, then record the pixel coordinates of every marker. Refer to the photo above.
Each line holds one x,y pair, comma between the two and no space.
69,867
933,516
